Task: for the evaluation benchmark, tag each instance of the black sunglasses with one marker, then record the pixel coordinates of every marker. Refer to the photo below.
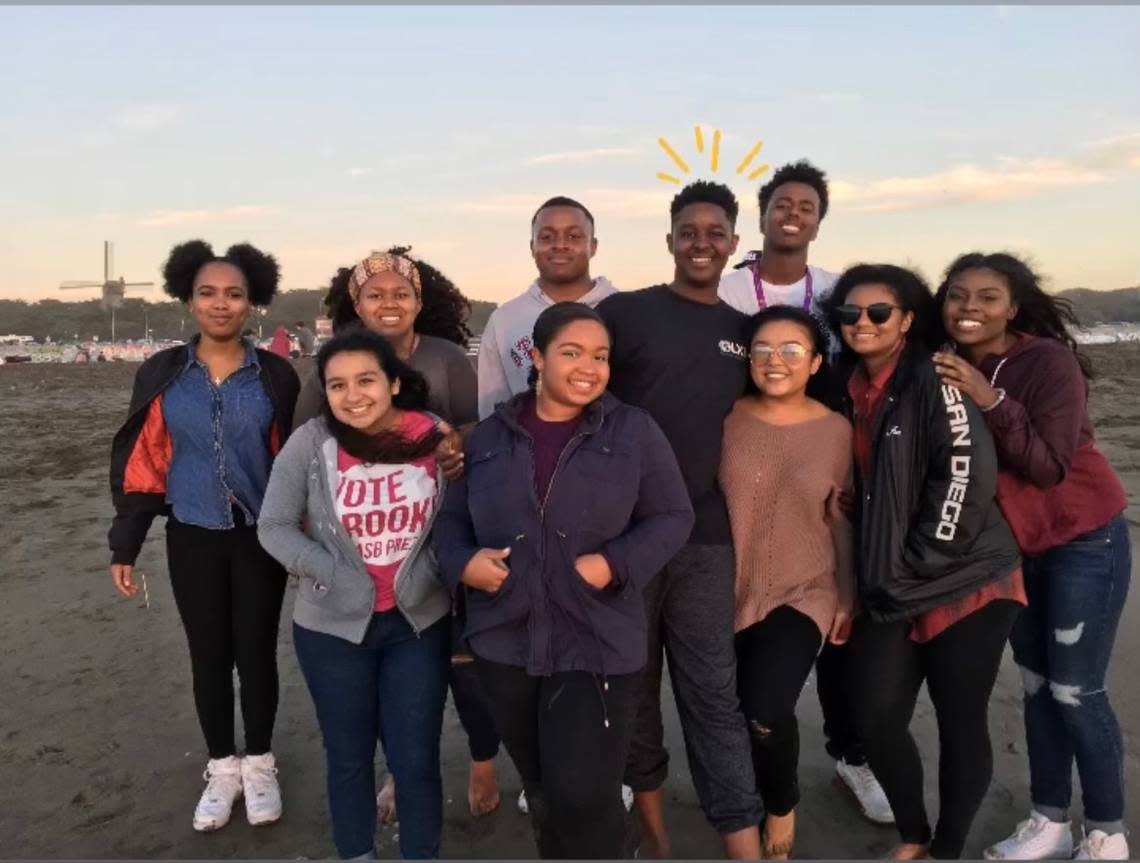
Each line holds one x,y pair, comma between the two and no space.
877,313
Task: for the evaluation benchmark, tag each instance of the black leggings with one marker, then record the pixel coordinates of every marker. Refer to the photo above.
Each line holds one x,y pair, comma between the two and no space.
229,593
773,660
960,667
570,761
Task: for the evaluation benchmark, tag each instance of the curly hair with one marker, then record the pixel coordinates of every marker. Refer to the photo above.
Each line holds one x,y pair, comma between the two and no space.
260,270
444,313
909,289
705,192
802,171
1038,313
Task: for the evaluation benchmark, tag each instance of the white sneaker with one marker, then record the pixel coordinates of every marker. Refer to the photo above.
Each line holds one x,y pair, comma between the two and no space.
868,792
223,787
262,793
524,808
1036,838
1099,845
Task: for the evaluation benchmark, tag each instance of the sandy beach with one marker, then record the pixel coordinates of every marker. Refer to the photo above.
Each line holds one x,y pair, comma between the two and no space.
100,751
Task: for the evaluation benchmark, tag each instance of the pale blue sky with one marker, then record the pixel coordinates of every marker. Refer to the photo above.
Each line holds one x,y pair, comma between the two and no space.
322,133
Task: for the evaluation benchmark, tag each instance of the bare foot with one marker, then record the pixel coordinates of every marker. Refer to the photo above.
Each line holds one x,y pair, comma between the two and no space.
386,800
779,835
482,788
909,851
651,818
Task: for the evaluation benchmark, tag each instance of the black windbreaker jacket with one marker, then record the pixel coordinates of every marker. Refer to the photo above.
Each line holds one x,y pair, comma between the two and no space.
135,509
930,530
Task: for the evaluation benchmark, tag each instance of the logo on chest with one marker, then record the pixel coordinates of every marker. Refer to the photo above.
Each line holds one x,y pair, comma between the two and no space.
729,348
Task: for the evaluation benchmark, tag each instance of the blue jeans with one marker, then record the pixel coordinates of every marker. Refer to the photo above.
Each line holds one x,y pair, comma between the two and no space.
392,682
1062,643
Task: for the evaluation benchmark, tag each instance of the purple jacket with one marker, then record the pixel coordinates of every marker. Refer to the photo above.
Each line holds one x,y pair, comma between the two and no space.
617,491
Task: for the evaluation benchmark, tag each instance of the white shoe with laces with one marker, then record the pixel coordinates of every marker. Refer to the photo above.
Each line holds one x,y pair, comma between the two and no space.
1036,838
262,793
868,792
1099,845
223,787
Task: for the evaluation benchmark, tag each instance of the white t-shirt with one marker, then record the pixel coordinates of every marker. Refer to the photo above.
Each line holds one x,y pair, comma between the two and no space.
738,289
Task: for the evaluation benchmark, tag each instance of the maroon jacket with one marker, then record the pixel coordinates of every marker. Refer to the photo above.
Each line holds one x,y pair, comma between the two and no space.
1053,484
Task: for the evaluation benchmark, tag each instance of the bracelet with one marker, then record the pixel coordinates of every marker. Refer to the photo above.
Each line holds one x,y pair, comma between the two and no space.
1001,397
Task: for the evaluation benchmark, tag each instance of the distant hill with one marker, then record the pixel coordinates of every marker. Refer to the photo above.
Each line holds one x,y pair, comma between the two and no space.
63,321
1105,307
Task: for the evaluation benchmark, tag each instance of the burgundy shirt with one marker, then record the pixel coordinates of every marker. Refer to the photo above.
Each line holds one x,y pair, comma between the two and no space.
550,439
1054,484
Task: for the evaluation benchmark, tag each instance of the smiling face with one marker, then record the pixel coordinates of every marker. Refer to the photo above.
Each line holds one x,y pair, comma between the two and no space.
783,359
978,307
220,303
792,218
388,305
575,367
867,338
359,393
562,242
701,241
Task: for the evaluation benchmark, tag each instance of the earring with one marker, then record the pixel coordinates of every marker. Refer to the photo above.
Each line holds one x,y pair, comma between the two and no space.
538,387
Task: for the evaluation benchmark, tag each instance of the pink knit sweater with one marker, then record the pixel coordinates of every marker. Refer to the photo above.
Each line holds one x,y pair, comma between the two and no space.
793,544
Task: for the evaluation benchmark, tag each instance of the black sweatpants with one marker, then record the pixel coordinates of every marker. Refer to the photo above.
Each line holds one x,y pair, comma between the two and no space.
690,608
960,666
773,660
229,593
570,761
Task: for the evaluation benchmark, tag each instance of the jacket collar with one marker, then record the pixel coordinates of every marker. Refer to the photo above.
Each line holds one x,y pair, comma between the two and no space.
594,413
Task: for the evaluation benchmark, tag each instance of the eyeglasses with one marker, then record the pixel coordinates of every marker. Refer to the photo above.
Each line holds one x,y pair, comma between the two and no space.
791,353
877,313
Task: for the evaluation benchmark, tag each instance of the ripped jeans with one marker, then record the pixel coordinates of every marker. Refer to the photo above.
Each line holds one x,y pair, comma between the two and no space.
1062,643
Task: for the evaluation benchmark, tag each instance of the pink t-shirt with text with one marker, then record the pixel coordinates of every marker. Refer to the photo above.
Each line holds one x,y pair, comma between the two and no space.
385,507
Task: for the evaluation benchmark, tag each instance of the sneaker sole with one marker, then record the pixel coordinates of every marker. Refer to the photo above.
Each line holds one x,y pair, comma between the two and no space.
838,782
262,821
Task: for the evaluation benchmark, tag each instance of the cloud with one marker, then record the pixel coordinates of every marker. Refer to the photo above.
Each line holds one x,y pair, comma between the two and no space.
1007,179
359,172
582,155
1118,153
147,118
171,218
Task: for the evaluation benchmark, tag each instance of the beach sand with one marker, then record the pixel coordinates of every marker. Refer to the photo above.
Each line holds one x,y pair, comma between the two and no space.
100,750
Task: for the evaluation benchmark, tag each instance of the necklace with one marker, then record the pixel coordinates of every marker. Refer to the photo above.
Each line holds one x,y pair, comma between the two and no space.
758,284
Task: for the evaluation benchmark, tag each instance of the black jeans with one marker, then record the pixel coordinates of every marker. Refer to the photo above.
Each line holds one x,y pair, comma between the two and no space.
229,593
773,660
833,686
960,667
568,734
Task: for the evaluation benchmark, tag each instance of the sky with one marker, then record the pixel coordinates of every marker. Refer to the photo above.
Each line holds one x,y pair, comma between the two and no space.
319,134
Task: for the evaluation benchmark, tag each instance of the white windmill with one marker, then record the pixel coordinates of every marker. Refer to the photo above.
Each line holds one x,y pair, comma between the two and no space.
113,289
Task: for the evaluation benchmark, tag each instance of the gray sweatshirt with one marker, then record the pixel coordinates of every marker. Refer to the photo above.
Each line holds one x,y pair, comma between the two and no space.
336,594
504,352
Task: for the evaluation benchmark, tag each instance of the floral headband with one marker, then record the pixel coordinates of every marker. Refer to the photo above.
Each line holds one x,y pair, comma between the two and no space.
382,262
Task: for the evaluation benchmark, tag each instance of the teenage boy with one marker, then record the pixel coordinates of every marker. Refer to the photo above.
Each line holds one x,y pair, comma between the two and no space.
792,206
562,242
679,352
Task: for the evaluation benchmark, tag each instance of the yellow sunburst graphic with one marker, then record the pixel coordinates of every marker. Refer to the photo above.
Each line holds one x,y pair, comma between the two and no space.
714,157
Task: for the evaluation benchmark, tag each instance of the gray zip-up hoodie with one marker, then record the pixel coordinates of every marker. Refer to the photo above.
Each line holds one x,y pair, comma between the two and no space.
504,349
336,594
